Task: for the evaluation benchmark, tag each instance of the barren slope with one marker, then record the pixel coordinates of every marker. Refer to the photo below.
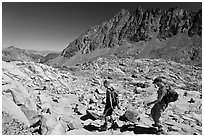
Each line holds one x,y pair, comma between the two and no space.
71,100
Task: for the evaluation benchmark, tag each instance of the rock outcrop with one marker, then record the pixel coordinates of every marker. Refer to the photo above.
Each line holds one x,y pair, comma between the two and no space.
142,34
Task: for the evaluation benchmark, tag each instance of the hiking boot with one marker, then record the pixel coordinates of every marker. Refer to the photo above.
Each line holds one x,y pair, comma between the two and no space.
157,125
114,126
160,131
104,127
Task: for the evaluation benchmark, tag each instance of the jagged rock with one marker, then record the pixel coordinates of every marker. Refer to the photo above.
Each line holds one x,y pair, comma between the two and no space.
149,26
196,26
11,108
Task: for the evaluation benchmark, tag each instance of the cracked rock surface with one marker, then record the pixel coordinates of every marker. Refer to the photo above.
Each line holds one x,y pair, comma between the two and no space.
41,100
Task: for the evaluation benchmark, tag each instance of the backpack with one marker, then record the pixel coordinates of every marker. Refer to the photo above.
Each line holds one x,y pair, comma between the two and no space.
171,95
114,97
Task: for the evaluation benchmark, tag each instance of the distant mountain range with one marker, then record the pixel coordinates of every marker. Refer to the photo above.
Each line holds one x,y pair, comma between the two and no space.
174,34
16,54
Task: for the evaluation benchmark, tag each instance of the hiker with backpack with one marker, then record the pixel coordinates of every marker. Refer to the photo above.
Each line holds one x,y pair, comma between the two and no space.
111,103
165,96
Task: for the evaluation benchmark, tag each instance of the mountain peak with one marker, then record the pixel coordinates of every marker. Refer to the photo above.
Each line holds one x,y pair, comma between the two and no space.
129,28
123,11
12,47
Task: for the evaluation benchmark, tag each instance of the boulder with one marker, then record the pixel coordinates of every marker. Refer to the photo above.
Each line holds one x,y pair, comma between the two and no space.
11,108
19,94
131,116
32,116
51,121
58,130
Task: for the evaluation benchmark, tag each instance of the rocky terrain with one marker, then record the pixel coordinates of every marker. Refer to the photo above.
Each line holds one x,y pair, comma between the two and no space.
174,34
129,50
39,99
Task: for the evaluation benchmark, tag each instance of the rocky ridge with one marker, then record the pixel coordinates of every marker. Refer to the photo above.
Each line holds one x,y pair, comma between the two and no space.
16,54
70,100
142,34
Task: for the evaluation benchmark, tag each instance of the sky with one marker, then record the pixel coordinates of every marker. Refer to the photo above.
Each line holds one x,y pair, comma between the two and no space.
51,26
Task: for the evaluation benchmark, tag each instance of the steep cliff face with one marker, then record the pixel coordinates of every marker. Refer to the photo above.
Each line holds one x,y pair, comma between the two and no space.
131,28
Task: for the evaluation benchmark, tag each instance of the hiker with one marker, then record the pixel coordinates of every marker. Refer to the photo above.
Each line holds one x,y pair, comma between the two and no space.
160,104
111,103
